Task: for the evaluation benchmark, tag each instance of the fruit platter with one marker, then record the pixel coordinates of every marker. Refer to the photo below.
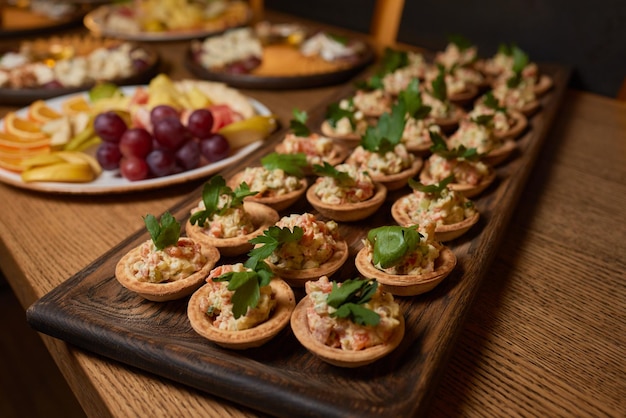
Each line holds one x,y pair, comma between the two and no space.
119,139
286,370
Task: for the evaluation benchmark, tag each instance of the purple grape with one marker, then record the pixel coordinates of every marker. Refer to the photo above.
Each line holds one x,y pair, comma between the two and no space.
161,112
200,123
108,155
215,148
109,126
170,133
161,162
135,142
133,168
188,156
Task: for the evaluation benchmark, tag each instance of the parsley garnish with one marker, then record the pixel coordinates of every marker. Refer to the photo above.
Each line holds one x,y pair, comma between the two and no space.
349,298
434,189
211,193
392,243
460,41
247,285
384,136
438,85
491,102
298,123
164,233
292,164
412,97
520,61
334,113
440,148
391,61
485,120
342,178
271,239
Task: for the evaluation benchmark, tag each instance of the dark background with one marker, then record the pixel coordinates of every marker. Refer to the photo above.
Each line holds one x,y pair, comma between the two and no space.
587,36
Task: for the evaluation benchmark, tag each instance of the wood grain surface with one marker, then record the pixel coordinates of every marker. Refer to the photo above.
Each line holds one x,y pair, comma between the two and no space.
92,311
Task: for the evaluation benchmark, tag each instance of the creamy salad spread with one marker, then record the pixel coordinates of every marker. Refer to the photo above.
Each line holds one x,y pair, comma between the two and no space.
419,261
381,164
218,304
502,120
444,208
373,102
454,84
516,97
316,147
343,333
173,263
474,135
417,132
227,223
269,183
331,190
453,55
343,125
317,245
438,109
465,172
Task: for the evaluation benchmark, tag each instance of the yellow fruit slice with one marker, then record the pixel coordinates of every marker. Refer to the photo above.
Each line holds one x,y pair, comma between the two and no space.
63,172
80,158
40,112
42,160
11,164
22,128
75,105
10,140
249,130
12,152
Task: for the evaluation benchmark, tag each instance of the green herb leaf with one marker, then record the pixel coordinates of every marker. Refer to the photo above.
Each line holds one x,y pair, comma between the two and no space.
272,239
391,61
298,123
328,170
292,164
246,285
484,120
440,148
387,133
349,297
163,233
460,41
211,193
434,189
439,89
392,243
334,113
412,98
343,40
491,102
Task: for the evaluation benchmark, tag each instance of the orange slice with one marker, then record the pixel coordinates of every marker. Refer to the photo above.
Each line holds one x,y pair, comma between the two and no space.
12,153
12,164
22,128
40,112
75,105
12,141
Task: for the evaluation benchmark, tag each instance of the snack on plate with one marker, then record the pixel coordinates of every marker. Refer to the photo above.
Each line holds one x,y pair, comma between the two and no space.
167,266
222,218
299,247
279,181
226,311
404,261
237,51
344,193
348,324
451,212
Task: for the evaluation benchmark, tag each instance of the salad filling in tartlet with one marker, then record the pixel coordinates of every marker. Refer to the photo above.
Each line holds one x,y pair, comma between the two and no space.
241,305
461,85
224,220
405,261
317,148
372,103
348,324
300,247
343,121
344,193
279,181
507,123
471,175
478,133
382,154
445,113
167,266
451,212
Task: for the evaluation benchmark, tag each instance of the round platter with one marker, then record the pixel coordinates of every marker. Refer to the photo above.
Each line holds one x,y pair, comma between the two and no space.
111,181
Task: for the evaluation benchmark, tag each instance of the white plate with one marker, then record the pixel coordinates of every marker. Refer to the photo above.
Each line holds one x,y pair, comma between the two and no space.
111,181
94,21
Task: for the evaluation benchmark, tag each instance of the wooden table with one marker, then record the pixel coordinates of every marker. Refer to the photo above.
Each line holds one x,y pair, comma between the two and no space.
547,332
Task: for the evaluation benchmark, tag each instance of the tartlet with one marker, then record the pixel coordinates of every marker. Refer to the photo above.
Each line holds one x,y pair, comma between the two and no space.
248,338
277,202
347,353
407,285
335,156
348,212
350,138
262,216
519,124
160,292
469,190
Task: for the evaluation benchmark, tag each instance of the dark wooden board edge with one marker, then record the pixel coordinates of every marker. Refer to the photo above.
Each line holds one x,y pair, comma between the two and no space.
73,312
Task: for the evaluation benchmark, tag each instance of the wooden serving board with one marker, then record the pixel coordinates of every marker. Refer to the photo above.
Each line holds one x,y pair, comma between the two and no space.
93,311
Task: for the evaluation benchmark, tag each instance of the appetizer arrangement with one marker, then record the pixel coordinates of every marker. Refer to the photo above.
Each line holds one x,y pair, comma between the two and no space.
153,20
271,55
134,134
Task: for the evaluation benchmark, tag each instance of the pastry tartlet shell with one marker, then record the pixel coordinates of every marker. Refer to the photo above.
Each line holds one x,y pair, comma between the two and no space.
467,189
348,212
337,356
263,217
278,203
248,338
161,292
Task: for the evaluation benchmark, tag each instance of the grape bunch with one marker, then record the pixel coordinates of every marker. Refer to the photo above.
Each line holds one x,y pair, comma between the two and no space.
170,148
